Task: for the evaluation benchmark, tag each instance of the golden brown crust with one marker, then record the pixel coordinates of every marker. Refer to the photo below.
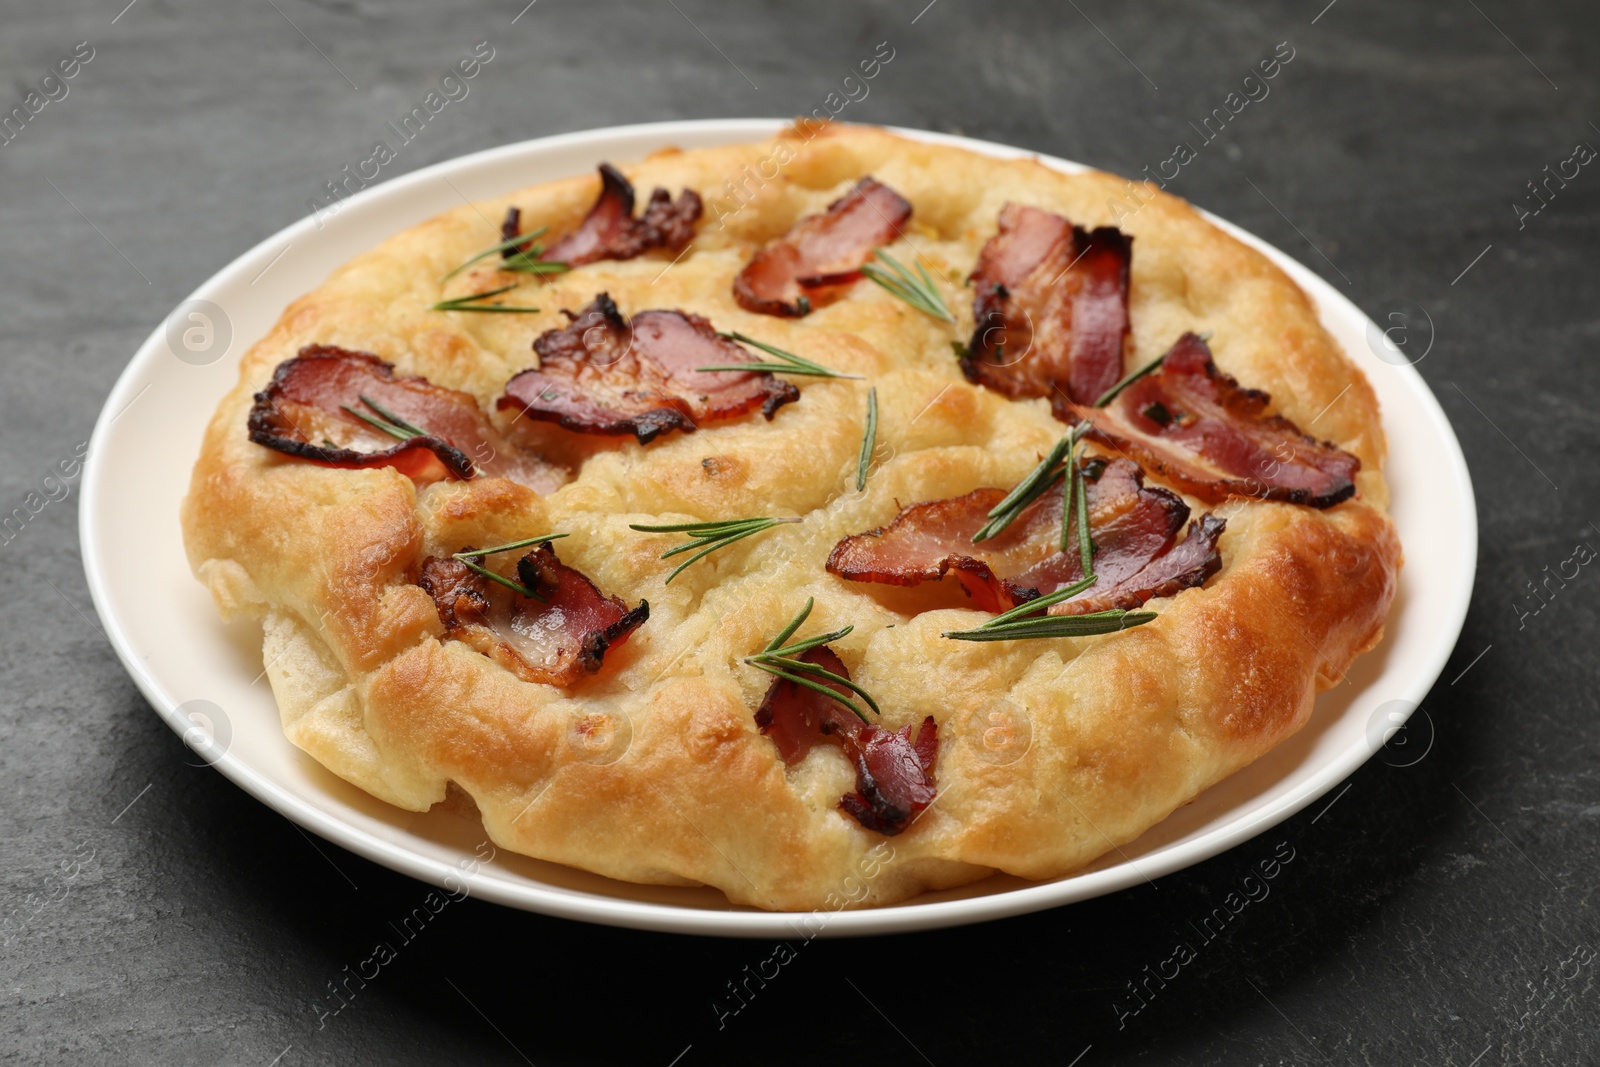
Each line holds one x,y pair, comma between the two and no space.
1052,752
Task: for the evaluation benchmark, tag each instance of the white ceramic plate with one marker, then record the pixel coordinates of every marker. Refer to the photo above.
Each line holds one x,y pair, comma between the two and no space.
206,681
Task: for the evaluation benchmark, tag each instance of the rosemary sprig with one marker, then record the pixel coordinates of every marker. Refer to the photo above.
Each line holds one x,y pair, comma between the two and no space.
869,440
781,660
1085,541
1075,501
1024,621
386,422
917,290
817,686
1111,394
1034,606
527,543
514,242
409,427
1028,490
477,568
710,536
790,363
529,263
514,586
381,425
1069,496
466,558
1096,622
466,303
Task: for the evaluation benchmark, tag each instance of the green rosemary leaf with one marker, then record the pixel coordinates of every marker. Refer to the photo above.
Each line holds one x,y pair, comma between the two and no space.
409,427
1075,502
809,643
710,527
777,368
802,667
529,263
698,556
794,624
515,587
489,293
918,289
498,309
1069,495
1099,622
1039,603
779,659
710,536
1111,394
827,691
467,303
1081,497
927,283
1042,475
869,440
513,242
701,542
771,350
789,363
528,543
382,425
1032,486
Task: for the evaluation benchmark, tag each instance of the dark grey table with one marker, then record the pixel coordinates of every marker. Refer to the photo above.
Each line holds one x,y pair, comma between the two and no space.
1436,913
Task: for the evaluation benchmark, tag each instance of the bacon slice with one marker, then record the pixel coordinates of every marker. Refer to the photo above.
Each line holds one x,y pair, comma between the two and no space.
821,255
610,230
605,375
929,540
1133,528
552,642
894,771
1186,565
1051,307
301,413
1198,429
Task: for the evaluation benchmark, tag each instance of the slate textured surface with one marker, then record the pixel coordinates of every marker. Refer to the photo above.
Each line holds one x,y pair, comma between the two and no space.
1437,913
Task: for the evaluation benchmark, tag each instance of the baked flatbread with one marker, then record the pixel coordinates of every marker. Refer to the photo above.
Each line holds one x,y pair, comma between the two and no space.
640,755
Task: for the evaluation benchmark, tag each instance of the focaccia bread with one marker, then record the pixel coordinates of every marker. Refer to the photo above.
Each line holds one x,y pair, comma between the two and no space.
647,748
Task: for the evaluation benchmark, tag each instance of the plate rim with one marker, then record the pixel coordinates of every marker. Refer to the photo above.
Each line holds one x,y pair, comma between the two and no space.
737,921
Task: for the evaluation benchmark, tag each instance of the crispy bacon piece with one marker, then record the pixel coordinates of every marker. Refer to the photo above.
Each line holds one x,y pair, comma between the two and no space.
1133,528
821,255
1198,429
929,540
894,771
605,375
510,227
459,593
1186,565
1051,307
610,230
302,412
553,642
